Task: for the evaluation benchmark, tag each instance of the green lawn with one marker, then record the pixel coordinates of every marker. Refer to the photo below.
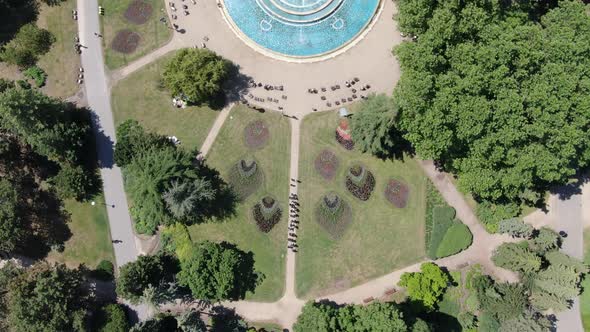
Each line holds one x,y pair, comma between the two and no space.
269,249
585,297
91,240
380,239
61,62
153,33
140,97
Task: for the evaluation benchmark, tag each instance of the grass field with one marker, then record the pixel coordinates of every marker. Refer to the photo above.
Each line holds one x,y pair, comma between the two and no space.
381,238
91,241
153,33
269,249
140,97
585,297
61,62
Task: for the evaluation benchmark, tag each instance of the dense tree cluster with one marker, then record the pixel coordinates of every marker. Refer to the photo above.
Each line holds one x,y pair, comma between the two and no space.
327,317
25,48
166,184
426,286
196,75
496,92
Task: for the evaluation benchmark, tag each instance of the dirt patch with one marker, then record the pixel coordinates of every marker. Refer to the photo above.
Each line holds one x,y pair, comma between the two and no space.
138,12
397,193
326,163
126,42
256,134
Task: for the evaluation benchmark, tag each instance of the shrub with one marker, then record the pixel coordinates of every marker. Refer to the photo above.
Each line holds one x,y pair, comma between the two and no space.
105,270
515,228
267,214
333,214
360,182
71,182
114,319
326,163
491,214
457,238
245,177
23,84
36,74
397,193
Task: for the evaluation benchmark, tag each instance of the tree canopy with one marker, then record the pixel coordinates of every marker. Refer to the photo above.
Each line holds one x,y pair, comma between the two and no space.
498,93
12,228
427,285
135,277
25,48
515,257
196,75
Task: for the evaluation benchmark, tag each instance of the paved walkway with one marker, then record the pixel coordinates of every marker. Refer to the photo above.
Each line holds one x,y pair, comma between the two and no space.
98,96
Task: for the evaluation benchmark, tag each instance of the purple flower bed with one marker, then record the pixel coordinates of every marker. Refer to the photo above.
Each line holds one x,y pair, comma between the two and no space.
326,163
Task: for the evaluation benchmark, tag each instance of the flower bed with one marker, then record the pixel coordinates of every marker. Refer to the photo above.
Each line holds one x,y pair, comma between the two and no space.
326,163
245,177
126,41
360,182
256,134
333,214
138,12
397,193
267,214
343,135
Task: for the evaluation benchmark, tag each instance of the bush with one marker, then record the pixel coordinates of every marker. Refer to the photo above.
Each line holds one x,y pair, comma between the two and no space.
36,74
360,182
491,214
71,182
457,238
105,270
113,319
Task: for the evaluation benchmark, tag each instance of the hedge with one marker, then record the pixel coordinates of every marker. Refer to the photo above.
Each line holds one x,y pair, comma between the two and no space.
457,238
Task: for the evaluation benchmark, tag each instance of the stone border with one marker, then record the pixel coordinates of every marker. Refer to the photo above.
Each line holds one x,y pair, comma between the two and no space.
295,59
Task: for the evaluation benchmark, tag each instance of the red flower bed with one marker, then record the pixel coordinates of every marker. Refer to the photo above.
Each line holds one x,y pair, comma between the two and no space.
397,193
126,41
343,135
256,134
360,188
138,12
326,163
267,214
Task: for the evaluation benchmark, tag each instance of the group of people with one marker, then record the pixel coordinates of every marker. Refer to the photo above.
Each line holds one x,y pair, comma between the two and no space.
349,84
184,8
294,221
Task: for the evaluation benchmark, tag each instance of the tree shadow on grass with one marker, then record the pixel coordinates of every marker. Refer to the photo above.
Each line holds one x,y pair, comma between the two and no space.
14,14
224,205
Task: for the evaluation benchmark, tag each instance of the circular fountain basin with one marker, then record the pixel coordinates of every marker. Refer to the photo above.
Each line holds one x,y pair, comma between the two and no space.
300,28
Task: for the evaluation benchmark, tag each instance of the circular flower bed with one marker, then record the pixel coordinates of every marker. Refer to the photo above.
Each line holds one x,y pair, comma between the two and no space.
360,182
326,163
343,135
245,177
267,214
126,41
397,193
138,12
256,134
333,214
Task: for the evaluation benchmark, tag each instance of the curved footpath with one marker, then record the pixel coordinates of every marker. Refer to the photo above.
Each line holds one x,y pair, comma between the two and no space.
98,96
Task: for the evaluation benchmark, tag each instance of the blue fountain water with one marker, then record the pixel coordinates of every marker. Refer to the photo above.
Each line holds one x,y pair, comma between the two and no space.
301,28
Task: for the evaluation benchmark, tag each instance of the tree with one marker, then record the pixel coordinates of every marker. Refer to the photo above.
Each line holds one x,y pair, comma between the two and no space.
545,240
135,277
48,298
373,127
527,323
132,139
12,228
8,273
316,317
164,323
29,43
501,301
427,285
216,272
115,319
514,257
196,75
191,321
183,198
71,182
515,228
13,15
421,326
557,283
497,94
558,258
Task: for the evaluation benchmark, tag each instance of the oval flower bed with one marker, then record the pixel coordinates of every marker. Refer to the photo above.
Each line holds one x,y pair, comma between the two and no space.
333,214
245,177
360,182
397,193
267,214
256,134
326,163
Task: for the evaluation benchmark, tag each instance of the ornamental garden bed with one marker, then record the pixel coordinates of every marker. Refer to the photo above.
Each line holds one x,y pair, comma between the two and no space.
245,177
267,213
333,214
138,12
126,41
256,134
360,182
326,164
343,135
397,193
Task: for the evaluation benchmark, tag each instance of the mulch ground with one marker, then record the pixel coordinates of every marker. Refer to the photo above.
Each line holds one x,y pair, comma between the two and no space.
138,12
126,41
